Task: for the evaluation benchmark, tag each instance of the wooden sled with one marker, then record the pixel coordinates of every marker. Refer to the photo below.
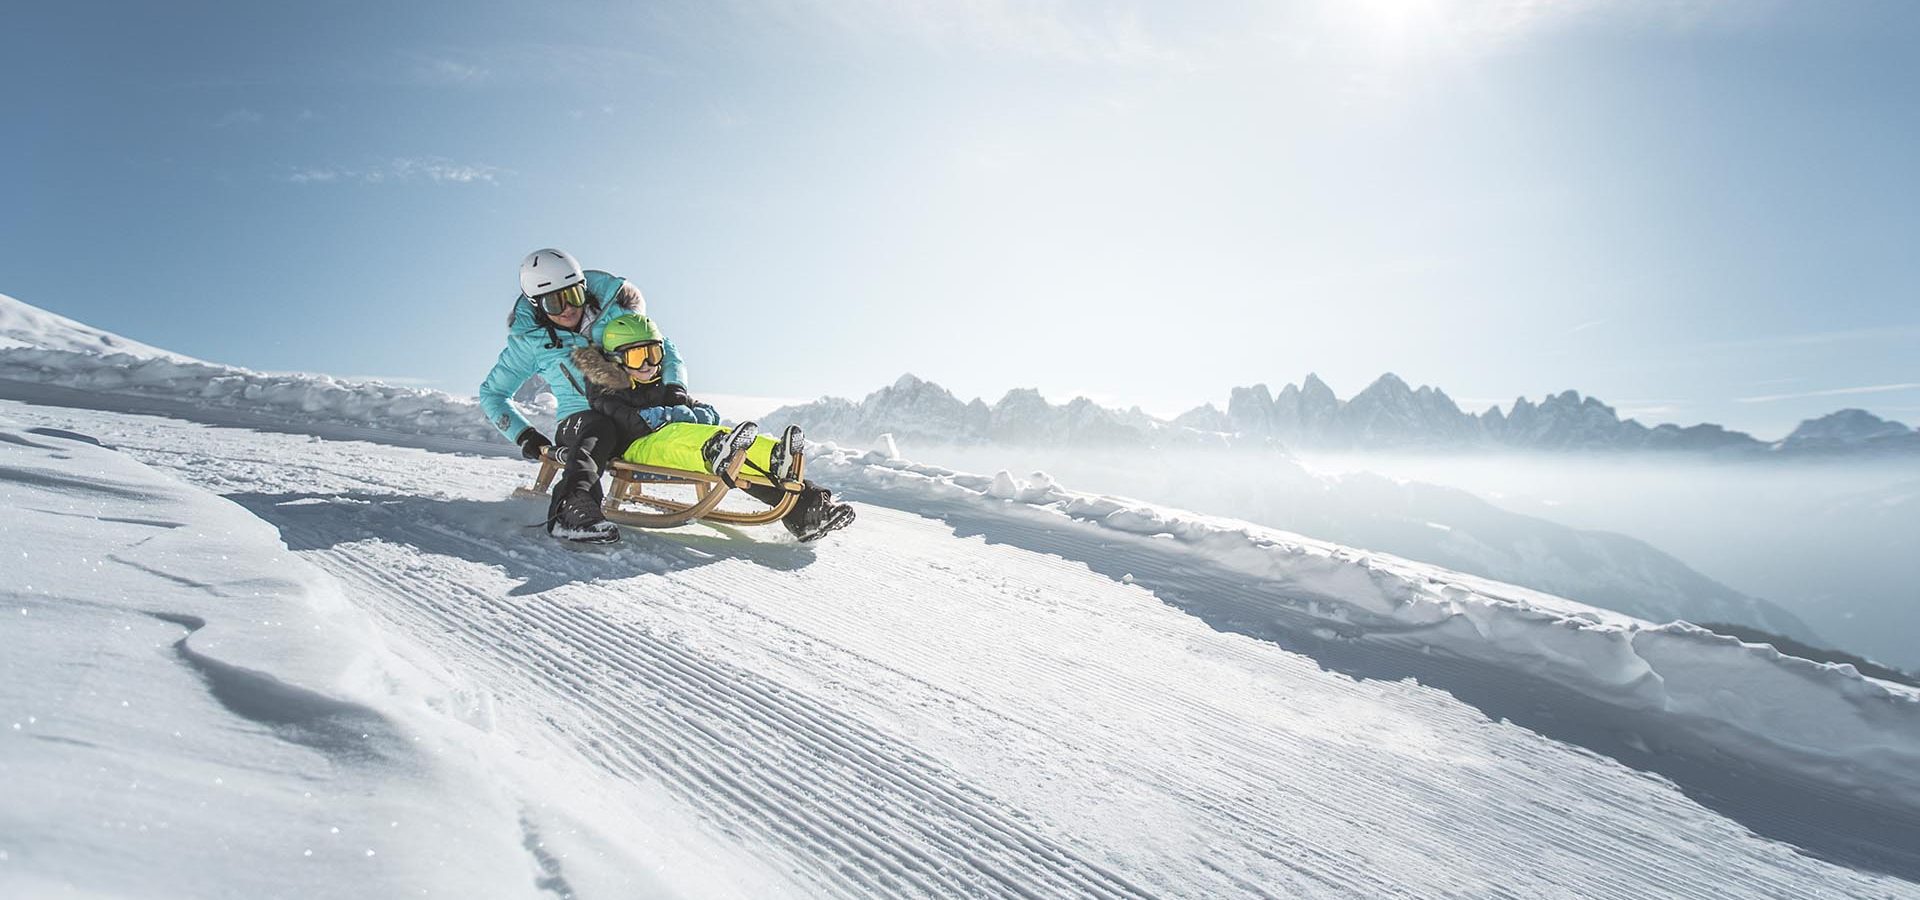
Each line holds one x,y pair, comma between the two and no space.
631,481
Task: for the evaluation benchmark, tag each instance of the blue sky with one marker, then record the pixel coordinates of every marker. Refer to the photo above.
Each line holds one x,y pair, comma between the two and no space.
1697,211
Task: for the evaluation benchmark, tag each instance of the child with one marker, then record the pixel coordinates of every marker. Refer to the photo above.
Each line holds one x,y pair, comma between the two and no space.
662,426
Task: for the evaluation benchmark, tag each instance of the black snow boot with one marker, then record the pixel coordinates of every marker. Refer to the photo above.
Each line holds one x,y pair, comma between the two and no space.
724,452
577,517
814,514
792,444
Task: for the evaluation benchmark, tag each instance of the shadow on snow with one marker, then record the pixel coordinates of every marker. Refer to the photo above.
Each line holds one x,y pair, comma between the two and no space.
507,535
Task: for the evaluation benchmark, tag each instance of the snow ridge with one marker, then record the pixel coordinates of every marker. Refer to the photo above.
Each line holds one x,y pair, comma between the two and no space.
26,325
294,397
1820,718
39,347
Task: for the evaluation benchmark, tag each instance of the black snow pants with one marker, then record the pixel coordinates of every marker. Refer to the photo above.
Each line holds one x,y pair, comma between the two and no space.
586,442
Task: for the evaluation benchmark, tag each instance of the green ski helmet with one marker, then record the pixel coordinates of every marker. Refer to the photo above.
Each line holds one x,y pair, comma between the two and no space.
632,341
631,328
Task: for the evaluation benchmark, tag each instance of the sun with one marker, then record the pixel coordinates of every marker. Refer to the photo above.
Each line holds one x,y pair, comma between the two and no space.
1407,28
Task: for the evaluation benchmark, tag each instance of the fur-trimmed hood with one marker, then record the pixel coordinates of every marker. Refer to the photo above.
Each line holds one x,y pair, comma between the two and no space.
602,372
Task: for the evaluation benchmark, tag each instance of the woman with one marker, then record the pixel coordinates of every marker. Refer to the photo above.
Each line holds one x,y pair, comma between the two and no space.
562,308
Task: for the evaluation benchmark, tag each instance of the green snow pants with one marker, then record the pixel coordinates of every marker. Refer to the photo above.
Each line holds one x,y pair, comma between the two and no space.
677,446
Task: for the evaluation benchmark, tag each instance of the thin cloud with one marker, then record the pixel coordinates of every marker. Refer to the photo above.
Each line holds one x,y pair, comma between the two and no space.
312,176
444,71
435,169
1833,392
238,118
1583,326
442,170
1822,338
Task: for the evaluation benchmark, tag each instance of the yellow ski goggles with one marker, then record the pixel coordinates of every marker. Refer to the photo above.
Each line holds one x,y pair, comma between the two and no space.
640,356
554,303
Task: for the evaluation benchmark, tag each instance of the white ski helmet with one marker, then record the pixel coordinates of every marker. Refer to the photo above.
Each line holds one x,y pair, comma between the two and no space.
549,270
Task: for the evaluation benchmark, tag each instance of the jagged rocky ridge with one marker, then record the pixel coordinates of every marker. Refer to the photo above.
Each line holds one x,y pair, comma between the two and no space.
1388,415
1391,415
918,409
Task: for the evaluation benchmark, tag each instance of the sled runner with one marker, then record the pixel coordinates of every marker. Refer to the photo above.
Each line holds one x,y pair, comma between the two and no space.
629,503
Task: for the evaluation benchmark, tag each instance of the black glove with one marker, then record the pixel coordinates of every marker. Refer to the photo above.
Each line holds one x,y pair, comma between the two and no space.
676,395
532,443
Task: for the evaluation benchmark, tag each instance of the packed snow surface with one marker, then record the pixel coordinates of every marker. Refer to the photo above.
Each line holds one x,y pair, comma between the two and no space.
973,691
254,654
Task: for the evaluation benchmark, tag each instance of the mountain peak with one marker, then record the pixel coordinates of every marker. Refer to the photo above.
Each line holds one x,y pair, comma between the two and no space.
1388,383
1847,428
1025,395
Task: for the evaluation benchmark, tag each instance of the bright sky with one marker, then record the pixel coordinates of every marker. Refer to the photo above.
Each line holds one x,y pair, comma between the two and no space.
1698,211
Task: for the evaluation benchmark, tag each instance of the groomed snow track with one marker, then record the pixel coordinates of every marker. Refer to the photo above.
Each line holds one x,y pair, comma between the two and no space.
788,772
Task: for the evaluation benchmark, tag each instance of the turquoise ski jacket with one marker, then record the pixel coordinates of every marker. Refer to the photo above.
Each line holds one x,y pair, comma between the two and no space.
534,348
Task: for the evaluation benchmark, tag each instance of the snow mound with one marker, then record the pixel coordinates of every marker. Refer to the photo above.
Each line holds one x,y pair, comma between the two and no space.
176,680
1747,701
25,325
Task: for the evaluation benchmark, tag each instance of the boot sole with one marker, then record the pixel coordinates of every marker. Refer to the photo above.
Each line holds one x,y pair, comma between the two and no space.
738,440
793,442
608,537
841,517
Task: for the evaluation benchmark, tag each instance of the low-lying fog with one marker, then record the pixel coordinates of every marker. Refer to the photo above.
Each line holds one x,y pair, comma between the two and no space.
1835,544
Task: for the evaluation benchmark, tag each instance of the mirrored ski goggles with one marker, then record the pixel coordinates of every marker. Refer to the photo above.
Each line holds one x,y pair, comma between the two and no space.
640,356
554,303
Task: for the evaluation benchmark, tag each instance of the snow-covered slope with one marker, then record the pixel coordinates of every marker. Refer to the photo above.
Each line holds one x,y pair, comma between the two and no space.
25,325
990,686
1676,669
67,361
1003,688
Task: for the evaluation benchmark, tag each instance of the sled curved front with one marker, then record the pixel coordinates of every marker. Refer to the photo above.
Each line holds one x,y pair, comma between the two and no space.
631,480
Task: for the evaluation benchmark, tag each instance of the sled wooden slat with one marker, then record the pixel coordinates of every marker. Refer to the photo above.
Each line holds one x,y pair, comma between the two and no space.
631,480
